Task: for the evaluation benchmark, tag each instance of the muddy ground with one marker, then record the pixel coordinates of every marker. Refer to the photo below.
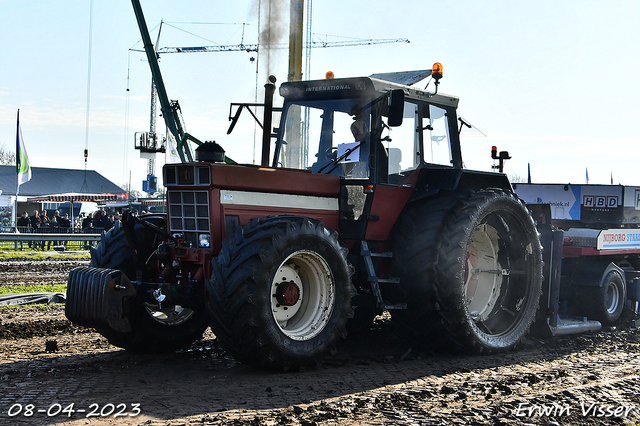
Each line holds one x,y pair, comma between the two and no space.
53,372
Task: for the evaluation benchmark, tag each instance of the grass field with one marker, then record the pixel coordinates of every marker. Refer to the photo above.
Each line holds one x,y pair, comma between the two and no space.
43,288
43,255
15,246
24,259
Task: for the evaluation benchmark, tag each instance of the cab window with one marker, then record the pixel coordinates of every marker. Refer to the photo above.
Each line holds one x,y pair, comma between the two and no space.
335,140
436,137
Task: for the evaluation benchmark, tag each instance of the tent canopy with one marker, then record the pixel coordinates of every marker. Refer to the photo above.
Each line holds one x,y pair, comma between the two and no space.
72,197
153,202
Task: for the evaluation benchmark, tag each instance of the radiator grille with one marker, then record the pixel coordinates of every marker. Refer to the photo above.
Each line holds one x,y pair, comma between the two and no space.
189,214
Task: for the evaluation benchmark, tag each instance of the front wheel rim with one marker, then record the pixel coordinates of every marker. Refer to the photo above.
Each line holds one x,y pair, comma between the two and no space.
302,295
171,315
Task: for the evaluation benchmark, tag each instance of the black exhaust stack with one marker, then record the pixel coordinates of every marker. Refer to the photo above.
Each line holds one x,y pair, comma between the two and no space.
269,88
210,152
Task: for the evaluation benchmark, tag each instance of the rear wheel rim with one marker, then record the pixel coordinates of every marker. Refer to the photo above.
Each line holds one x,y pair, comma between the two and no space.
310,274
499,256
483,273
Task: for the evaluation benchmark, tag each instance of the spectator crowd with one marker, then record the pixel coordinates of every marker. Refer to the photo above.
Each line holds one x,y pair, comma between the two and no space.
43,222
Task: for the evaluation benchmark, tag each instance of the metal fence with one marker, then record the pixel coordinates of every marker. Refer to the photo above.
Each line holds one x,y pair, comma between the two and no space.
45,239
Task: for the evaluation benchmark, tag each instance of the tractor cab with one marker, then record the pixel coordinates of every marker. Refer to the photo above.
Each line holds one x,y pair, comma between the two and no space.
366,130
377,135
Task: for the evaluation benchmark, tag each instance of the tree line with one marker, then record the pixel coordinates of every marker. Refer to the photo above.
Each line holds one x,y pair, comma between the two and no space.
7,156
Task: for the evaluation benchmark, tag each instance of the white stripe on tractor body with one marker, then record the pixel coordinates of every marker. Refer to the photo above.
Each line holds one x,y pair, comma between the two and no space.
264,199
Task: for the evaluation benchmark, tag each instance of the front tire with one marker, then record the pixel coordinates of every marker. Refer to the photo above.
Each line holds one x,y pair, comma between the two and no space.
280,293
154,328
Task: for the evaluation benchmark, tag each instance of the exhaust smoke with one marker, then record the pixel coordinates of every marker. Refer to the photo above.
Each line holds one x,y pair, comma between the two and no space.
272,19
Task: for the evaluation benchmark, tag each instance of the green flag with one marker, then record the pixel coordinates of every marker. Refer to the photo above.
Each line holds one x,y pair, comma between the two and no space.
22,160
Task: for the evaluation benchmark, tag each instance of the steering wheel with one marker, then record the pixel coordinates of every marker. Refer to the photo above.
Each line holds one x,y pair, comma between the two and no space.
331,153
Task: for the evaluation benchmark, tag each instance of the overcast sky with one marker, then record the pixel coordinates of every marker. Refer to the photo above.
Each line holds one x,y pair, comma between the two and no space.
553,82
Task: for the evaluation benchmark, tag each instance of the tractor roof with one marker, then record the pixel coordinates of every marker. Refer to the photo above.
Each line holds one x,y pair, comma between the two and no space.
341,88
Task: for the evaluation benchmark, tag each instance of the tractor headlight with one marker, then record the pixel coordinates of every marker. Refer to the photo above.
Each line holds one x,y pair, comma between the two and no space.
204,240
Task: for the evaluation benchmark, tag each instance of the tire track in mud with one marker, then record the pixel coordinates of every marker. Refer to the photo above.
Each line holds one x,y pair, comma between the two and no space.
374,379
38,328
24,271
370,381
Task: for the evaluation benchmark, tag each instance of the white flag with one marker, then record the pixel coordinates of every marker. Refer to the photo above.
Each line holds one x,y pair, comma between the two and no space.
171,152
22,160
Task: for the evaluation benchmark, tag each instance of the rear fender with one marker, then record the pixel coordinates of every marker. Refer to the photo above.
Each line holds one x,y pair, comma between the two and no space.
433,179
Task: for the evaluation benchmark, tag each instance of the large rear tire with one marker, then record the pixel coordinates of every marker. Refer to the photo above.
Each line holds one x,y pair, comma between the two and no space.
280,293
415,254
489,273
154,328
477,271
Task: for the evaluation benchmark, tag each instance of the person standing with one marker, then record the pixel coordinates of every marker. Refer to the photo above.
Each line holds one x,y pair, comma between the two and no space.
58,218
86,221
65,224
23,224
101,221
35,220
54,228
44,227
97,218
88,230
44,218
35,226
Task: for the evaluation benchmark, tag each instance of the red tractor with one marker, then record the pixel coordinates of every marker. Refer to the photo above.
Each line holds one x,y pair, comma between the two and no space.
361,206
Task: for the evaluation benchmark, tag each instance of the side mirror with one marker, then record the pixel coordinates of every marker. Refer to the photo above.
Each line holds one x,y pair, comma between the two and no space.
396,107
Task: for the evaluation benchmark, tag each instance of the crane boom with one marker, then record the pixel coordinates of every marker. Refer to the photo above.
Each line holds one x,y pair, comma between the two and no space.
256,47
358,42
168,112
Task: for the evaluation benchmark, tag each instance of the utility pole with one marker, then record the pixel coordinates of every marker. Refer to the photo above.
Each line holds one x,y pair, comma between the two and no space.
293,152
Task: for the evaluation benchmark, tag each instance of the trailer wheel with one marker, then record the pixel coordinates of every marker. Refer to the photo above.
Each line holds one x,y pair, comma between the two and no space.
605,303
155,328
280,293
488,276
